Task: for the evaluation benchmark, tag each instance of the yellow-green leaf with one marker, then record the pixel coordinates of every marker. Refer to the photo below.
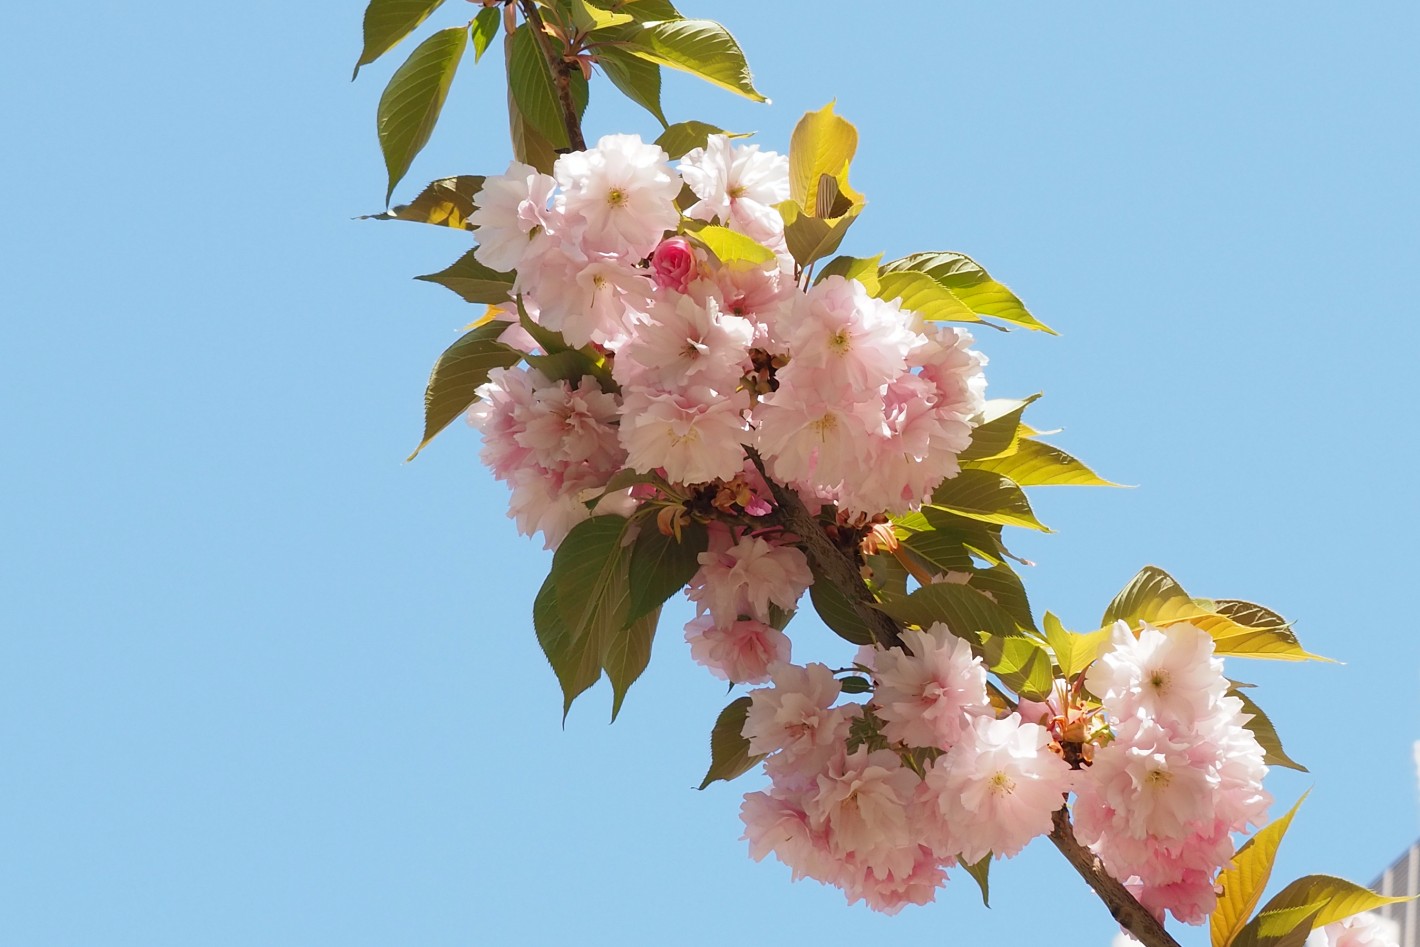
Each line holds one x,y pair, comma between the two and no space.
1309,902
1034,464
1073,651
729,246
1265,733
972,285
864,270
999,432
702,48
1243,882
813,238
822,144
447,202
988,497
925,296
964,610
484,29
454,382
389,21
411,102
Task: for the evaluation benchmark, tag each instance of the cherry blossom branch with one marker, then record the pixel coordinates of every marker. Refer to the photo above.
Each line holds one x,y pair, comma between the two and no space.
1122,905
561,75
830,564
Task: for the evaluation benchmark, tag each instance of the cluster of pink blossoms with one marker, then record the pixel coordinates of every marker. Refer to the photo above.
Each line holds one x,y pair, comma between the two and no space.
881,798
849,399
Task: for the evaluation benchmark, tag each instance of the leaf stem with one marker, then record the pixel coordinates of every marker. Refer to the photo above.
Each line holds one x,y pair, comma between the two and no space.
561,76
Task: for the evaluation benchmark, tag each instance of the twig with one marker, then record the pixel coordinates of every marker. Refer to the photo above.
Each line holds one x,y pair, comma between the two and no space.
1122,905
561,76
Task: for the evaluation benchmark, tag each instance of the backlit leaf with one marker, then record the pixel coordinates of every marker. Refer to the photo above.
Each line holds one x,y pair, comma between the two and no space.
730,246
389,21
999,432
1306,904
484,30
923,295
863,270
972,285
638,80
411,102
988,497
980,873
1266,734
964,610
702,48
1034,464
822,144
683,137
1242,882
811,238
447,202
1073,651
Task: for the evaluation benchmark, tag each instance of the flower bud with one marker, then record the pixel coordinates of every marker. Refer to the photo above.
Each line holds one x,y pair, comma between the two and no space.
673,264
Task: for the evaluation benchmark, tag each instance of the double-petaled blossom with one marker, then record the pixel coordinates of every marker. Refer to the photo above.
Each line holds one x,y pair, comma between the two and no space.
928,690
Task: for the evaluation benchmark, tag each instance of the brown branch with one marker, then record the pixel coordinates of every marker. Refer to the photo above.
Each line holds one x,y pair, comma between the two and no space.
830,564
1122,905
561,76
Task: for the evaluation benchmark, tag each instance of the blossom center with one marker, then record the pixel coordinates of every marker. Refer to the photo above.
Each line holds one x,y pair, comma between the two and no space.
616,197
1002,784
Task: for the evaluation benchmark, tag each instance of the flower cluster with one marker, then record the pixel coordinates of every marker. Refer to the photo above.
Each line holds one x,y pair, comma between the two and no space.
881,798
849,399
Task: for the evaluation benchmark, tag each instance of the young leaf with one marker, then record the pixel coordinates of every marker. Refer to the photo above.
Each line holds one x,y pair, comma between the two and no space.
575,660
700,47
921,294
864,271
626,655
473,281
729,750
410,104
972,285
940,550
822,144
389,21
1021,664
988,497
447,202
999,433
1265,733
1001,584
484,29
638,80
730,246
661,565
812,238
1073,652
1306,904
1242,882
1034,464
457,374
683,137
642,11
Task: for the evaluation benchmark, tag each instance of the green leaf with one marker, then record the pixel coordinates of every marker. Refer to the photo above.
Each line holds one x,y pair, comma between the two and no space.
972,285
453,384
864,270
732,247
447,202
485,28
1021,664
683,137
1266,734
587,17
661,566
921,294
627,654
812,238
575,660
988,497
855,685
964,610
389,21
1073,651
530,83
999,433
473,281
979,873
940,550
979,539
1242,882
822,144
702,48
590,571
729,750
1237,628
529,145
838,613
1001,584
1306,904
643,11
638,80
410,104
1034,464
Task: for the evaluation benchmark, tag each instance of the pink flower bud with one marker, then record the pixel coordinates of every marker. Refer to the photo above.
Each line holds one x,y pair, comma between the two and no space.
673,264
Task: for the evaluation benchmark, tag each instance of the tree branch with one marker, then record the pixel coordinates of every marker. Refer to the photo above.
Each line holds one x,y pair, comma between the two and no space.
830,564
1122,905
561,76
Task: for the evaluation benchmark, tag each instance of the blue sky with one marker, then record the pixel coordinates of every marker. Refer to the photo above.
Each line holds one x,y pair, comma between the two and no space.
261,682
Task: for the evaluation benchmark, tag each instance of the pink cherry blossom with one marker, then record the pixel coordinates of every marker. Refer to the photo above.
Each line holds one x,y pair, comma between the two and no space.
685,344
695,435
514,211
673,264
740,651
795,715
928,690
1167,674
623,192
746,577
861,804
738,185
